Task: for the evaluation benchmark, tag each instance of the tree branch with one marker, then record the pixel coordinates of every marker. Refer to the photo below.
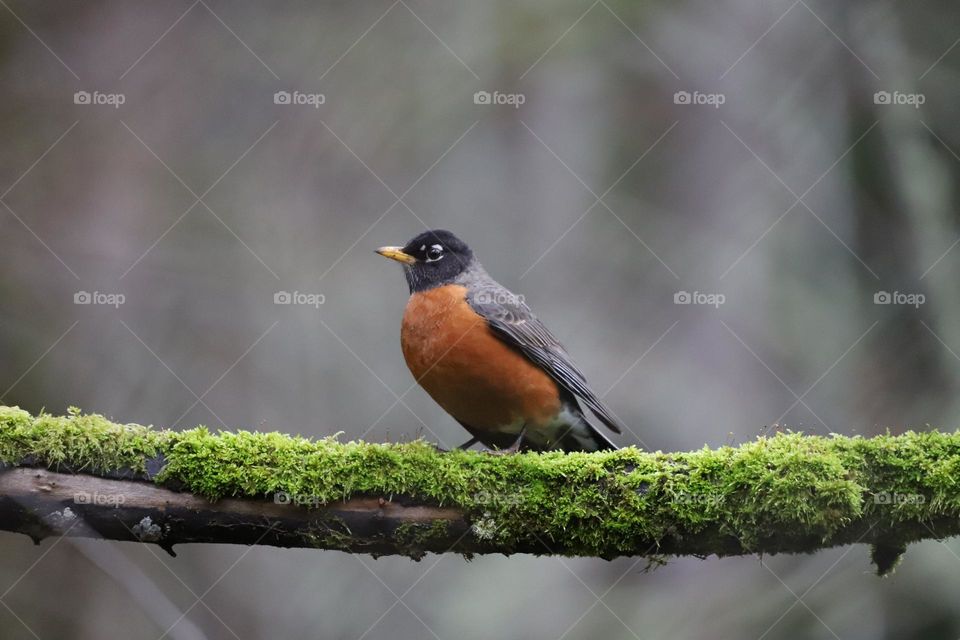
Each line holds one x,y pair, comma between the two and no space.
84,475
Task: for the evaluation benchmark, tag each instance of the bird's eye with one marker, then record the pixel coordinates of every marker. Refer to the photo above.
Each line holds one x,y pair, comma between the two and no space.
434,253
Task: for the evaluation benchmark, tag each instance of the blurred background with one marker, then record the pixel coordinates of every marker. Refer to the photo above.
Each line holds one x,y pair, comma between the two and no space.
736,215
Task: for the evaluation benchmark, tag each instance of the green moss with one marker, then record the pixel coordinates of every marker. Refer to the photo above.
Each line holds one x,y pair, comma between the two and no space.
81,442
789,492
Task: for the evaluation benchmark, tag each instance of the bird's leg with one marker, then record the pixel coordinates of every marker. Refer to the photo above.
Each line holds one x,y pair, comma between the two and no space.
469,443
515,447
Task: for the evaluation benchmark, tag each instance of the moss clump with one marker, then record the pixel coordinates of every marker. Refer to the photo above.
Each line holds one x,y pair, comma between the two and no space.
789,492
80,442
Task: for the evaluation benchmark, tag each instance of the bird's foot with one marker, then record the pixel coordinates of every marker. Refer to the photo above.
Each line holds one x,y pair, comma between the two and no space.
515,447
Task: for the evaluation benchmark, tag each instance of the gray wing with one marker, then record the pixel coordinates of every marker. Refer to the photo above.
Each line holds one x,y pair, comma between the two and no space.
513,321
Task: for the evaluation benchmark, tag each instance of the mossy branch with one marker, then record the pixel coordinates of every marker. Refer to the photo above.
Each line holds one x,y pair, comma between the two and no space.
84,475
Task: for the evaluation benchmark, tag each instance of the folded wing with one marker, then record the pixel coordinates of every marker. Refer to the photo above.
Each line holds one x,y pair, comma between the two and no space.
513,321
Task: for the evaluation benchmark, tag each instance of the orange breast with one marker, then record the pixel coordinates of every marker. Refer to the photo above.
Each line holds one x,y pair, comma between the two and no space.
468,371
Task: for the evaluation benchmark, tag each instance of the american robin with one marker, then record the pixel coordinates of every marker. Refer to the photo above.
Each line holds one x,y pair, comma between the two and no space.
483,356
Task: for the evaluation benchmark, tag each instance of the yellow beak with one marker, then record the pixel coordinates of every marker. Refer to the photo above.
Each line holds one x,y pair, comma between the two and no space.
396,253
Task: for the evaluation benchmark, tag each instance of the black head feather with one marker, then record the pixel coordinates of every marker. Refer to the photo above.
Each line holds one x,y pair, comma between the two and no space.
440,258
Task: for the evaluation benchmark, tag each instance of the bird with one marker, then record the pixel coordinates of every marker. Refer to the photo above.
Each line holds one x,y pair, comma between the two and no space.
479,351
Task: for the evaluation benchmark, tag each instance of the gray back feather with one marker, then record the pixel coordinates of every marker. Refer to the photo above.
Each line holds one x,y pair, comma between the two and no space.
513,321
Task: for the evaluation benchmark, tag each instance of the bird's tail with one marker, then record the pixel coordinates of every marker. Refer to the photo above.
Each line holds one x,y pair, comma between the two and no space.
585,437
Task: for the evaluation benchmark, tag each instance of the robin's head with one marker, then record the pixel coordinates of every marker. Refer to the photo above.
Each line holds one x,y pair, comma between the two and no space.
431,259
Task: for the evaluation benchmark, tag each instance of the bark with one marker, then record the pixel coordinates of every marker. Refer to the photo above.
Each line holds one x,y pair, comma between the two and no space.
82,475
